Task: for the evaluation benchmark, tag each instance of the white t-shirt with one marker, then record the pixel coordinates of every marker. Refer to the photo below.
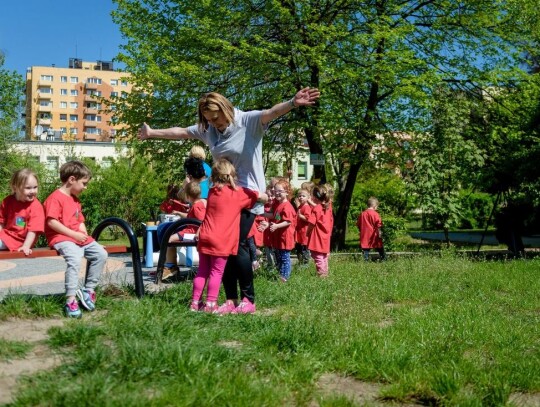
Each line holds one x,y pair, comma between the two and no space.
241,144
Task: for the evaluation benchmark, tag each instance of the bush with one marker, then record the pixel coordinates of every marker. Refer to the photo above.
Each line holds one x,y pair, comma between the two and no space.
476,208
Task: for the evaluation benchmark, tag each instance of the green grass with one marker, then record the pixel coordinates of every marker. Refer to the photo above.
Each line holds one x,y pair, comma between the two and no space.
436,330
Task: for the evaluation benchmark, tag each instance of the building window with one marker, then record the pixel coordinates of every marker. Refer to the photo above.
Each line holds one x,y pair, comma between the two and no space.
45,90
114,94
63,79
92,118
63,117
63,92
124,83
52,163
45,103
63,130
92,130
73,118
97,81
114,82
74,92
74,79
73,131
73,105
106,162
63,105
302,170
48,78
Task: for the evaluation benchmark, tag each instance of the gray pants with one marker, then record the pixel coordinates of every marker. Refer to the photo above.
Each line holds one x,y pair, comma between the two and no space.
95,255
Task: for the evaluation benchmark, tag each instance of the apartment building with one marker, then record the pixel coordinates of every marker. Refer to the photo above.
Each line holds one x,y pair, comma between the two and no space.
63,103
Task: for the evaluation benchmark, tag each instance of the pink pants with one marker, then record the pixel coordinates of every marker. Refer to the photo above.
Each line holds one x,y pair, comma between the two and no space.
210,271
321,262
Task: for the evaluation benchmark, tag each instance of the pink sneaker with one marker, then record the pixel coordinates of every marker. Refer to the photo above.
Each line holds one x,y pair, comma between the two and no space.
226,308
196,306
210,308
245,307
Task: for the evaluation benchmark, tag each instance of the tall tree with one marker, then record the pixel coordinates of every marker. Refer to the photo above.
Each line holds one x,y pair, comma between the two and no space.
374,62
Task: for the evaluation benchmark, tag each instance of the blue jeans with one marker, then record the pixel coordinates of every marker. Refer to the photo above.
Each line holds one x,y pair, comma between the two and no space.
283,260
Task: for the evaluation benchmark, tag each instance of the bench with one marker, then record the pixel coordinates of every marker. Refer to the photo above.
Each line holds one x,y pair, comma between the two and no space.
133,248
176,227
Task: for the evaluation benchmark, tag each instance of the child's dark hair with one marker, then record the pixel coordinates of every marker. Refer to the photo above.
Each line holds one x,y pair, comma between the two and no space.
324,193
75,169
194,167
19,178
172,191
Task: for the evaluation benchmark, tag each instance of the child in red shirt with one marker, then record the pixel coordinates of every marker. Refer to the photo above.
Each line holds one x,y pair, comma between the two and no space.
219,234
192,192
282,227
369,225
321,222
302,214
22,217
66,232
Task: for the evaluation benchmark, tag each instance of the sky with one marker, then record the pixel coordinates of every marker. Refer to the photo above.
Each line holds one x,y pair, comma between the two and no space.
47,32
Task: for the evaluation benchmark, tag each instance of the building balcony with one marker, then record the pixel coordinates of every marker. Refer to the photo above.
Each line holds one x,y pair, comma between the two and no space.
44,108
89,98
91,123
45,96
44,122
45,83
90,85
91,110
91,136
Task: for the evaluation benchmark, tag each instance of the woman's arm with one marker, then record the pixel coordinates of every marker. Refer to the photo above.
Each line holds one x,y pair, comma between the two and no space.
304,97
173,133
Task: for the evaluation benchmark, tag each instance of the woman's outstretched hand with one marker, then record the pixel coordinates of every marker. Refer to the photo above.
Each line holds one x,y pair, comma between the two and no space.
306,97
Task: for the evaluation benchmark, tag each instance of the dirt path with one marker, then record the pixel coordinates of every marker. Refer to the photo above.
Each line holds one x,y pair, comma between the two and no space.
41,357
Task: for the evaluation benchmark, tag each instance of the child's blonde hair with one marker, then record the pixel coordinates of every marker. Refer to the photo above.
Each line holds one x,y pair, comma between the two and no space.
308,186
223,173
215,103
192,190
324,193
19,179
197,152
372,202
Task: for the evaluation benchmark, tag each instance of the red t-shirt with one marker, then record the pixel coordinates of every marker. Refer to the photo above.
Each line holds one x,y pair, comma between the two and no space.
258,236
283,238
197,211
18,219
267,235
220,230
301,236
369,222
322,221
67,210
171,205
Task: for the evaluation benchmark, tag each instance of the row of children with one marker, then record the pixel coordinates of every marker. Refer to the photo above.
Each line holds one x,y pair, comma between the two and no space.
23,219
304,223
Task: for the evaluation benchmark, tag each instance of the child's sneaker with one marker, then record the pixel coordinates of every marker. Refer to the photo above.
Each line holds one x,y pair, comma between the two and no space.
226,308
211,308
72,310
196,306
87,299
245,307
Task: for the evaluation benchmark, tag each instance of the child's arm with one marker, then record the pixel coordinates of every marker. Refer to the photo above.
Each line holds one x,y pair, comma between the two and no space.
276,226
27,244
58,227
263,198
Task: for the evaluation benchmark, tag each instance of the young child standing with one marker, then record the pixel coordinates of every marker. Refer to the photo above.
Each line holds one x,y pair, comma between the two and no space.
219,234
66,232
321,222
22,217
282,227
369,225
197,211
302,214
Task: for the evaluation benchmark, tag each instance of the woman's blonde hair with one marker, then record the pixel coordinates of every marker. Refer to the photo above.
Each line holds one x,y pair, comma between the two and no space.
19,179
214,102
223,173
